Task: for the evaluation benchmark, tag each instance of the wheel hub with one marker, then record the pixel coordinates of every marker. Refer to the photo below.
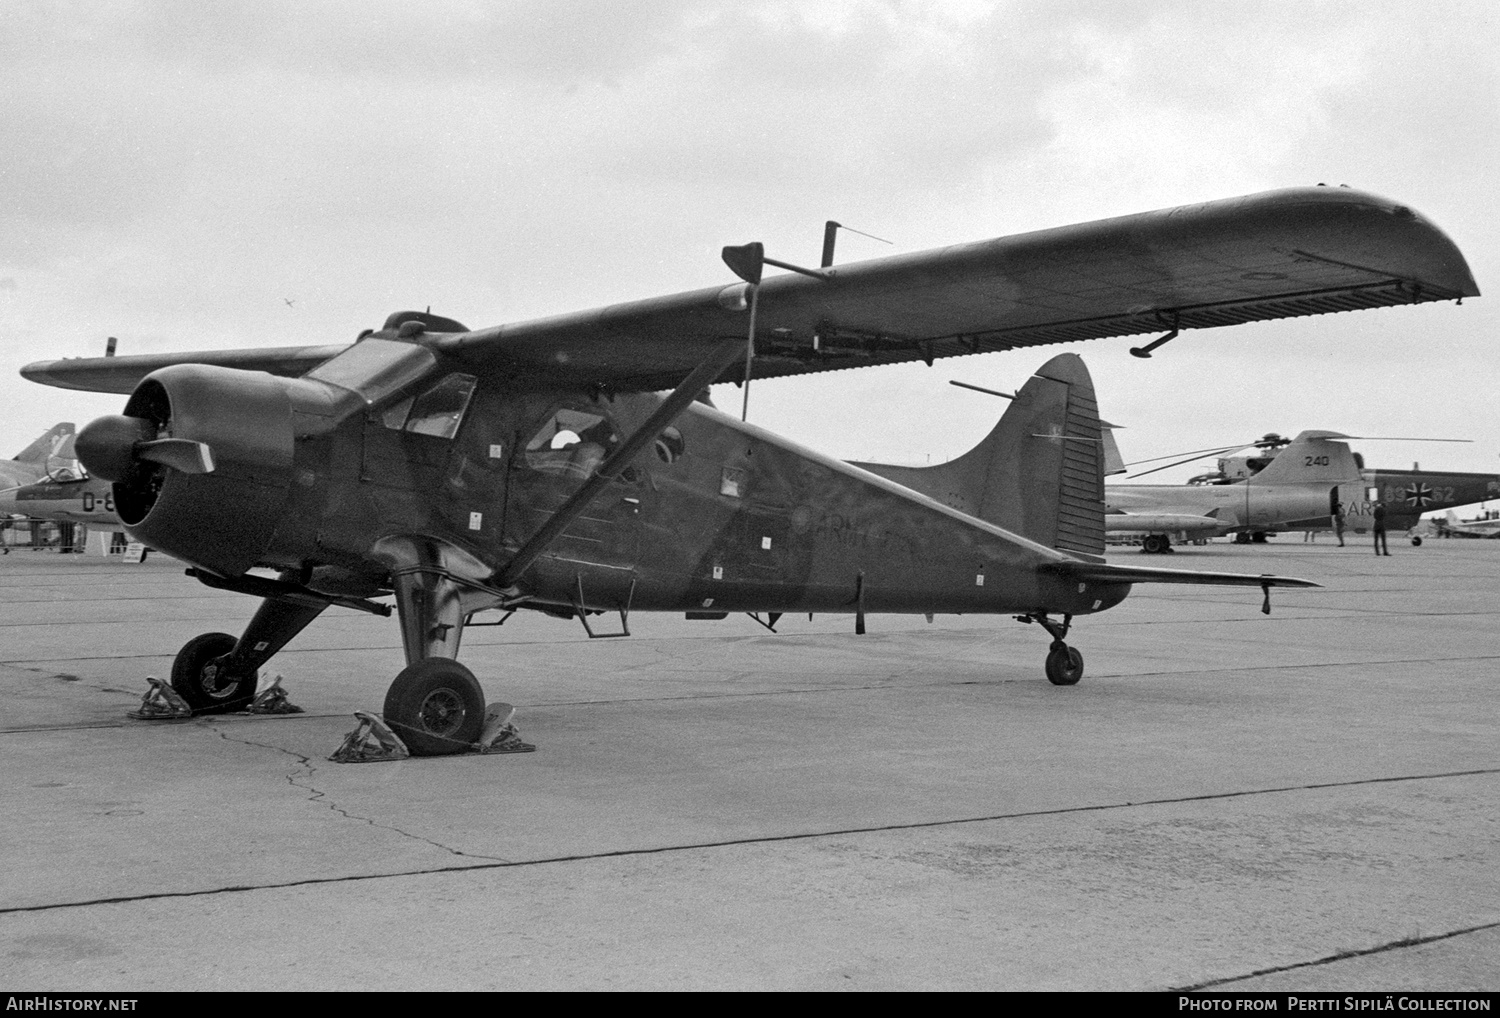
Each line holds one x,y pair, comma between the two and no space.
216,681
442,712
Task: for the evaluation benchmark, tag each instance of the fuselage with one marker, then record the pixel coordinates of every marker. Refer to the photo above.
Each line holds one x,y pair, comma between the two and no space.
719,516
1408,494
1241,506
60,497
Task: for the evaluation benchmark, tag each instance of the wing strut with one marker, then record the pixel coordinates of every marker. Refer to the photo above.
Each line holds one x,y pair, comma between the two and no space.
721,357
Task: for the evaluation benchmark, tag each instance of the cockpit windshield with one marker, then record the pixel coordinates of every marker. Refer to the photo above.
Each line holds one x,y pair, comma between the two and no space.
437,411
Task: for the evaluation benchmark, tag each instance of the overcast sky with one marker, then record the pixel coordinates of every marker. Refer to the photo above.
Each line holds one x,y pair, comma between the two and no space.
175,172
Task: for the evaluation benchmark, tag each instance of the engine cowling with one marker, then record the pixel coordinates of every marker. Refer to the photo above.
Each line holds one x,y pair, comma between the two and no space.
200,461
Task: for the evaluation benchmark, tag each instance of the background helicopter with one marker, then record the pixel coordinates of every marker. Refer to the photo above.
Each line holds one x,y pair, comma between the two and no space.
1277,484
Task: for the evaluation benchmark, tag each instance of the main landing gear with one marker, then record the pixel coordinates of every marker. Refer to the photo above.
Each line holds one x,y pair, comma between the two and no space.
436,706
1156,544
1064,664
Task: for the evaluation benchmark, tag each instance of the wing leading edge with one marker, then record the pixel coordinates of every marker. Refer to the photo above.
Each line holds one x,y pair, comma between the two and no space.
1278,254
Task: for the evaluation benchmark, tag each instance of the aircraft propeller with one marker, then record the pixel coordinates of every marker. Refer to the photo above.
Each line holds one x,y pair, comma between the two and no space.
113,446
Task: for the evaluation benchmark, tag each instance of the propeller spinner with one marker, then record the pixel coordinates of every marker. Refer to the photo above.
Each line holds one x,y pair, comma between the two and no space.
113,447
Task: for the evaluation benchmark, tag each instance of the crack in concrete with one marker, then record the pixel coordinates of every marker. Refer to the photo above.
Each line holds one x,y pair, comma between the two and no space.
770,839
318,796
1394,945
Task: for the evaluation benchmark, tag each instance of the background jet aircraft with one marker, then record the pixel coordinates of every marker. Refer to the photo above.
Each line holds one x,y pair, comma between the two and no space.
64,496
513,467
1295,489
34,462
1282,485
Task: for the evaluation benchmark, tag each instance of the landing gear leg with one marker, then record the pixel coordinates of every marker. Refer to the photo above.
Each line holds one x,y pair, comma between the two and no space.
216,674
1064,664
435,704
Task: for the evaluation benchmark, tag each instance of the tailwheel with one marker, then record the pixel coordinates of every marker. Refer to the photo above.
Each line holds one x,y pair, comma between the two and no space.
201,676
1064,664
436,706
1416,540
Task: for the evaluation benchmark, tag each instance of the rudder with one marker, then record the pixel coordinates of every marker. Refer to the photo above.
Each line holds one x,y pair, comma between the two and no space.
1040,471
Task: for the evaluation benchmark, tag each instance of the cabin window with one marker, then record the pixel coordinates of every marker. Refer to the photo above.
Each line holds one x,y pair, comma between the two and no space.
572,442
437,412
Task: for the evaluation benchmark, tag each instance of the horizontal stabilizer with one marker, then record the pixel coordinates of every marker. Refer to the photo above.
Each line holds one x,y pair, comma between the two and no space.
1093,572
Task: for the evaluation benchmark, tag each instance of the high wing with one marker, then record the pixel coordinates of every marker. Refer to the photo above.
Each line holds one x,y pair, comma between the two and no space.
1277,254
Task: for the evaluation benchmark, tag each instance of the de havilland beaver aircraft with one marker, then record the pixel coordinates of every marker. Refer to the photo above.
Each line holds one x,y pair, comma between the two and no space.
538,465
1284,485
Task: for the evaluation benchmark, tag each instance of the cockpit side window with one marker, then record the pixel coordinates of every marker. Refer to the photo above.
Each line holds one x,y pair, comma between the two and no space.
572,442
438,411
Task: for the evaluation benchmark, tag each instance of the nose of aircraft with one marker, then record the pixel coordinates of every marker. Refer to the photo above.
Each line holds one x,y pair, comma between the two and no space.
107,446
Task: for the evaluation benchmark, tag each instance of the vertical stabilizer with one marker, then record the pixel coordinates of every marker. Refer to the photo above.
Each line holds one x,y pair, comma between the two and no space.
1312,456
1039,473
43,448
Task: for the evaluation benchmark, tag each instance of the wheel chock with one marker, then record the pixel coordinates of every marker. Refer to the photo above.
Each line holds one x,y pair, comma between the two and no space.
161,703
500,735
373,740
273,700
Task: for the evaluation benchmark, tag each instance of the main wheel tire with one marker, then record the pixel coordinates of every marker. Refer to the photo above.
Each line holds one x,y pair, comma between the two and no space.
1416,541
436,706
1155,544
1064,665
206,685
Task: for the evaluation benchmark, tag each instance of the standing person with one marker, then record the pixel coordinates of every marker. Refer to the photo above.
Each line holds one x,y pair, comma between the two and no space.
1338,521
1380,544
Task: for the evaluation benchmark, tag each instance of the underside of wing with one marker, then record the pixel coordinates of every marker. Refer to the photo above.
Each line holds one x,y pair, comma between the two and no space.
1278,254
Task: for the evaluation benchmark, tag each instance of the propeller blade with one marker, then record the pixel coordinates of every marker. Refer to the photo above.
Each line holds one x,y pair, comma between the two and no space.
181,454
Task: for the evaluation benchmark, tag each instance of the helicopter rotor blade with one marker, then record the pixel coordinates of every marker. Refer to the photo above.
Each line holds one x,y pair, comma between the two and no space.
1197,453
1169,466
